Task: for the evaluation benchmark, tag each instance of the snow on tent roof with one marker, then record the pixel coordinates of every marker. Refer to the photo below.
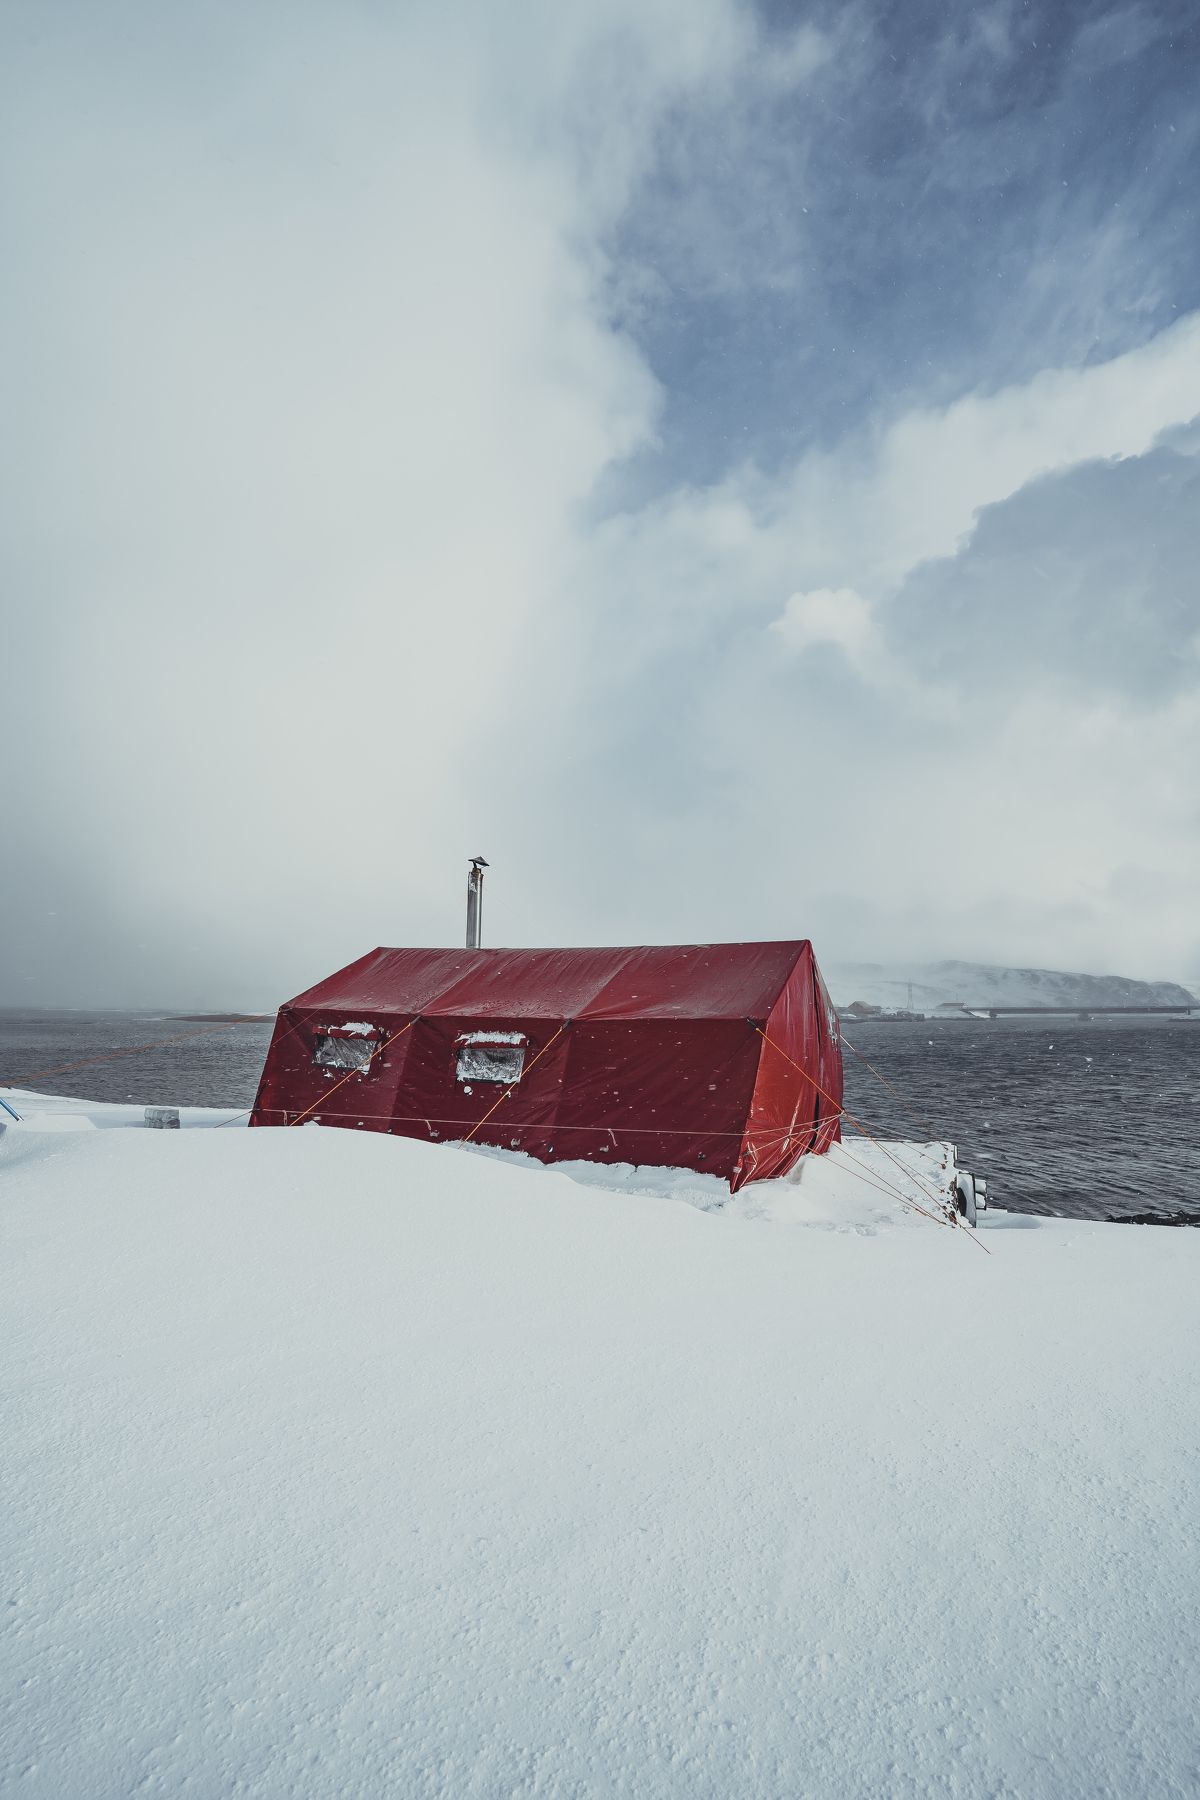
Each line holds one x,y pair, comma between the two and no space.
676,981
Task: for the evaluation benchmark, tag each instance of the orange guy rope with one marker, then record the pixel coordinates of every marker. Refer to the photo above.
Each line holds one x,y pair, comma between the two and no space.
887,1185
330,1092
872,1178
508,1090
923,1123
858,1124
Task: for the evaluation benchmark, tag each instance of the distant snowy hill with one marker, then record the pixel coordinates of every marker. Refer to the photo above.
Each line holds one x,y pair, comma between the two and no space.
988,984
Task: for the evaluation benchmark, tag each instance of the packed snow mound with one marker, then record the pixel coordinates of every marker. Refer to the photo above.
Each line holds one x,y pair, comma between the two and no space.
986,984
343,1465
861,1186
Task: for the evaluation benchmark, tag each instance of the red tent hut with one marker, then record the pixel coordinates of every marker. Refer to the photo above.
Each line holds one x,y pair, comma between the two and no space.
724,1058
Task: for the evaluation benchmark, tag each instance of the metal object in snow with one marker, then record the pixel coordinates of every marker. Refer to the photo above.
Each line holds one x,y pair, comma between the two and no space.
970,1195
970,1191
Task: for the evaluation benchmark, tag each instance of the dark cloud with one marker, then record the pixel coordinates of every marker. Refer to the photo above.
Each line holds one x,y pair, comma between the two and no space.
1085,581
955,198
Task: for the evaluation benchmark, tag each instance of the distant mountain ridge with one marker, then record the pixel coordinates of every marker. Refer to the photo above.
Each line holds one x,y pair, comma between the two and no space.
991,984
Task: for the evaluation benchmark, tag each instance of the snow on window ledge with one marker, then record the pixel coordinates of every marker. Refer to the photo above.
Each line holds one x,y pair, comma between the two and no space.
492,1037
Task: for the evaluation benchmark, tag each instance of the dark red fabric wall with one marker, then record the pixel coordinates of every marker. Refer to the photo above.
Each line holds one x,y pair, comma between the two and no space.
798,1095
652,1056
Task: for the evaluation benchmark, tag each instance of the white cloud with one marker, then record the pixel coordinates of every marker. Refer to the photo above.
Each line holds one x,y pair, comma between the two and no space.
315,379
936,469
314,370
977,810
867,512
833,616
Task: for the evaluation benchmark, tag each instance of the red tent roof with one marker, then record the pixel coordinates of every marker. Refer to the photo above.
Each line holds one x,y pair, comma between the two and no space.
656,981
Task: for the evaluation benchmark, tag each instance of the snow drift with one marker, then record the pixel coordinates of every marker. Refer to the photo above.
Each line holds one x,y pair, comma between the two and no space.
346,1465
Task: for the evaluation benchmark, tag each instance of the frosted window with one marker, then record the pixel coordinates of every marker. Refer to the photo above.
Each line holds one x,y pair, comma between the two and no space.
345,1052
490,1062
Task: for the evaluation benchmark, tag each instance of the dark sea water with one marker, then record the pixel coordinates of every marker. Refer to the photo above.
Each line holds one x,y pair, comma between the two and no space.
103,1056
1096,1119
1099,1119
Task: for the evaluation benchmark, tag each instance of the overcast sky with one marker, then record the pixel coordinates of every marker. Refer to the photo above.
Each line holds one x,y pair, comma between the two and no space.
736,467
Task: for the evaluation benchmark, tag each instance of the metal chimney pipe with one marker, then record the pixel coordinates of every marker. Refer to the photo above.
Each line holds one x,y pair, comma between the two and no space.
475,902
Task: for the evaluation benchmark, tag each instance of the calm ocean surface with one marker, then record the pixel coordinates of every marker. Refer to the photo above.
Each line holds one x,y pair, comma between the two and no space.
1099,1120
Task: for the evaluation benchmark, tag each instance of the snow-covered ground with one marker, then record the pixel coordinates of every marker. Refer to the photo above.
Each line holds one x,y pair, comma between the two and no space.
342,1465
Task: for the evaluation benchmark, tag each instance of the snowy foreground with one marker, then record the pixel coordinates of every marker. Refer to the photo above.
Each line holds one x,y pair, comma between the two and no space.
343,1465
